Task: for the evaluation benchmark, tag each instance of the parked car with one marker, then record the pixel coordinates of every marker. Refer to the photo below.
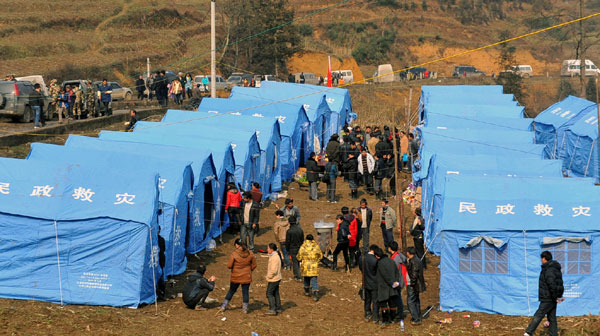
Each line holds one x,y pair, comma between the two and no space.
234,80
466,71
309,78
270,78
15,98
383,74
572,68
524,71
35,79
118,92
221,83
347,75
414,73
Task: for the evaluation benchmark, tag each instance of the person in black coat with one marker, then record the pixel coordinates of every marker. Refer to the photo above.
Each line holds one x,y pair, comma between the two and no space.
550,293
383,146
414,268
343,155
387,284
197,288
379,173
140,87
294,238
312,175
351,170
368,267
343,240
333,149
416,231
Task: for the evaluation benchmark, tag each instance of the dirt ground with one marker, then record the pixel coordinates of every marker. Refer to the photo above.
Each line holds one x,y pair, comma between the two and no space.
338,312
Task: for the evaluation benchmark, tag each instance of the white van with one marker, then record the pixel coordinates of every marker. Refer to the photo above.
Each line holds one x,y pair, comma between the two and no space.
384,74
347,75
571,68
523,70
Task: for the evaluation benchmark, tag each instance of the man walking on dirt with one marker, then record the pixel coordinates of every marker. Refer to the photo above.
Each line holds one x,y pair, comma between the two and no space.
293,240
388,223
105,90
550,293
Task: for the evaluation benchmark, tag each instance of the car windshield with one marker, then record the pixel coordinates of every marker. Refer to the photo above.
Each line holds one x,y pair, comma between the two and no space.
234,79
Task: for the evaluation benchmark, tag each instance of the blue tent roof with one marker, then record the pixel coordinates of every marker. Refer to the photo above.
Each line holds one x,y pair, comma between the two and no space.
550,123
580,148
509,151
338,99
296,130
324,121
480,121
175,184
76,240
268,134
469,111
204,174
429,134
563,195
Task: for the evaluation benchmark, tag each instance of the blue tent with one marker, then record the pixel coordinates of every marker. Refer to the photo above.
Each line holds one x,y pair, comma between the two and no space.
202,209
268,135
460,90
471,111
493,231
224,164
323,120
338,99
296,132
437,134
581,145
511,151
478,122
443,164
549,124
175,185
71,239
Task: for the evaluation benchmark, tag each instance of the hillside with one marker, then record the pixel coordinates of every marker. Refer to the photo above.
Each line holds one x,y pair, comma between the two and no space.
113,37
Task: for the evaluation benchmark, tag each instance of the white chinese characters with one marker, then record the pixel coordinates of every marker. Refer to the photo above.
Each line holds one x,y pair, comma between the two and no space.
41,191
161,183
83,194
124,198
506,209
4,188
581,211
543,210
467,207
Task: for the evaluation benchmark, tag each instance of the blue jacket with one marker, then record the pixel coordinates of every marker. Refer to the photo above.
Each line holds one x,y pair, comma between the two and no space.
63,100
105,97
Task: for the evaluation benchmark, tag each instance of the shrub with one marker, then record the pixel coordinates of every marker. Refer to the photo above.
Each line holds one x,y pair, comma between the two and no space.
565,89
373,48
305,29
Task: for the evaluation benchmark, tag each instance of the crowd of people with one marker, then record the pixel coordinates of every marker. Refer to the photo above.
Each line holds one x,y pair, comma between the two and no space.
363,158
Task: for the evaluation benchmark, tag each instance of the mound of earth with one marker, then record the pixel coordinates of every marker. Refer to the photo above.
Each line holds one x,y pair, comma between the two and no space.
317,63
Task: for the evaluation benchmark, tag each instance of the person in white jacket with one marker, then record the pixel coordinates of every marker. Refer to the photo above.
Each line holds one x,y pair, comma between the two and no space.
366,164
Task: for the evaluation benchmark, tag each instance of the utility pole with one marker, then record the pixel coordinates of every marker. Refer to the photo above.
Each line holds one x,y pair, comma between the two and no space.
581,50
213,52
409,108
148,76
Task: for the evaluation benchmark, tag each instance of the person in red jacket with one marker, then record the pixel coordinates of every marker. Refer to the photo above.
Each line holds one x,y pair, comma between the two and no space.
353,240
232,207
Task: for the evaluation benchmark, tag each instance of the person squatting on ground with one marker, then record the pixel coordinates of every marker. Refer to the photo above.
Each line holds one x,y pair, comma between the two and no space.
241,263
232,207
310,255
416,231
280,229
291,210
343,239
550,293
197,288
273,280
416,285
293,239
133,119
250,213
368,267
388,223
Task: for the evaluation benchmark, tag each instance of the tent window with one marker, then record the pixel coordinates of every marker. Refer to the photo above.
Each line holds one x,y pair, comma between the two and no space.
483,258
575,258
